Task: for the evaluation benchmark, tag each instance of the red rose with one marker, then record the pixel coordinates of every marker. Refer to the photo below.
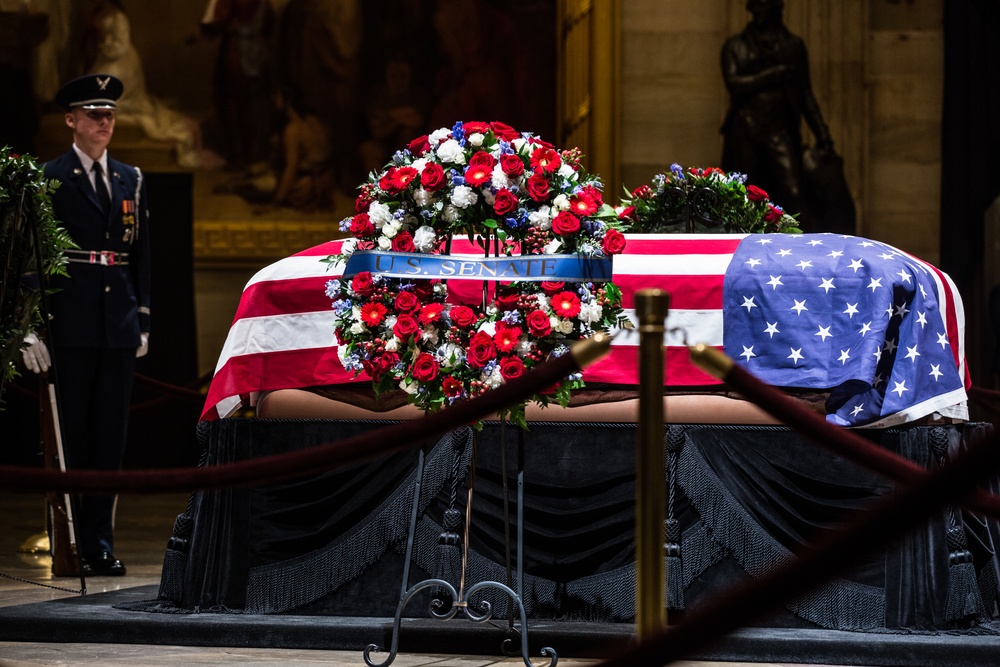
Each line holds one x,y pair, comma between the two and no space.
538,323
361,225
627,213
432,177
504,131
512,165
565,223
545,160
419,146
431,313
482,159
406,325
506,338
538,187
366,245
755,194
613,242
550,287
462,316
406,302
373,313
475,126
403,242
380,364
424,289
362,283
506,301
481,350
504,202
511,367
773,214
566,304
451,387
425,368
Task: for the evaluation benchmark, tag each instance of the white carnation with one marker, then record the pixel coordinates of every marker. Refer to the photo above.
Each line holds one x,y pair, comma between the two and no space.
424,238
379,214
436,136
463,196
590,312
567,172
419,164
495,378
499,179
422,197
450,213
540,218
451,152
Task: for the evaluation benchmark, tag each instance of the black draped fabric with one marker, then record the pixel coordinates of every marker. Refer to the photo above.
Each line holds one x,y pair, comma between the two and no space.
745,499
970,134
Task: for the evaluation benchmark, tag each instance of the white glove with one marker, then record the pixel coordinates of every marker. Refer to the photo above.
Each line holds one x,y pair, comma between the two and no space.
35,354
143,347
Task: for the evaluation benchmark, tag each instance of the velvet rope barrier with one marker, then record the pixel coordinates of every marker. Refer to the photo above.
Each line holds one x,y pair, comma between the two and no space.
278,467
889,519
841,441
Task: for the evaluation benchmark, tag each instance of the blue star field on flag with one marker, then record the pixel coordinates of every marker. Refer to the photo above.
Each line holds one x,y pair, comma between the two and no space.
846,315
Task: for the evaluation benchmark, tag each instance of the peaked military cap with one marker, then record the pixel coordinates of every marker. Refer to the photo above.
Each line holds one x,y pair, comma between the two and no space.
93,91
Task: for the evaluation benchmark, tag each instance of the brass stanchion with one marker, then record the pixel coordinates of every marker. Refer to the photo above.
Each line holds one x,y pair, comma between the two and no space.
651,306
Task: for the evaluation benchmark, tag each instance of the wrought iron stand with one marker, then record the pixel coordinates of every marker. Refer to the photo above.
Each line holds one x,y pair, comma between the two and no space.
460,599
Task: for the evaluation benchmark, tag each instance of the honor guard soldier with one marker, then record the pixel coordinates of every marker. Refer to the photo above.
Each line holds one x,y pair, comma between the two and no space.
99,314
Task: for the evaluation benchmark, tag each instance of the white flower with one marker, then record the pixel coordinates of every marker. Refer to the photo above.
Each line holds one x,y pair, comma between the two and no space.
524,347
422,197
560,203
449,354
567,172
450,213
564,327
553,246
419,164
451,152
542,300
388,324
384,243
590,312
357,328
389,231
489,327
408,387
463,196
540,218
424,238
379,214
349,246
392,345
518,145
499,179
476,139
436,136
489,196
495,378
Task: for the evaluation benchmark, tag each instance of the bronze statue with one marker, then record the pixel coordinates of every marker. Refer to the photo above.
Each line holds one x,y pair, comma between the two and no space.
766,71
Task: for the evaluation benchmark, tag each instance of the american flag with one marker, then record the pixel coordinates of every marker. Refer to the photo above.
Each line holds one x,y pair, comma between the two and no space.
282,334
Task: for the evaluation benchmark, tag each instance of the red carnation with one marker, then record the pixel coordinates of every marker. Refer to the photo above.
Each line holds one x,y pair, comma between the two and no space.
511,367
419,146
566,304
506,338
565,223
403,242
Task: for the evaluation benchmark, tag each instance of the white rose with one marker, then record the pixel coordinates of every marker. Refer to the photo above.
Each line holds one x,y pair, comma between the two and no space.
379,214
560,203
518,144
349,246
389,231
451,152
476,139
384,243
565,326
424,238
357,328
463,196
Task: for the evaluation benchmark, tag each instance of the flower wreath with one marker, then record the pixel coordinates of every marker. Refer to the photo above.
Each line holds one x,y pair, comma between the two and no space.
703,199
513,195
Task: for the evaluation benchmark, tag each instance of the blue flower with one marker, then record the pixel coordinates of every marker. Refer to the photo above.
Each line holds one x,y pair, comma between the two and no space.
677,171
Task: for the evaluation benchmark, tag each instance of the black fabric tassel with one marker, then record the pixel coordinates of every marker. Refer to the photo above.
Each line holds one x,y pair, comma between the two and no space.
449,554
675,573
964,599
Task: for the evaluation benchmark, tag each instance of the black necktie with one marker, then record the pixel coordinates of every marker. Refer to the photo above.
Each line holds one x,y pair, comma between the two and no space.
102,188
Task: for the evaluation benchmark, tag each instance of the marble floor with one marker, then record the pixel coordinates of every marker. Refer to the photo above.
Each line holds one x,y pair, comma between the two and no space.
144,524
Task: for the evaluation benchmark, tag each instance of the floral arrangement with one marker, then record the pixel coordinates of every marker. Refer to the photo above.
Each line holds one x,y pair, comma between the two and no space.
25,203
703,200
512,194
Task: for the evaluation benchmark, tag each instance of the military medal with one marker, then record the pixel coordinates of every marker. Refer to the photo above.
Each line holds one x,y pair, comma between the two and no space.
128,219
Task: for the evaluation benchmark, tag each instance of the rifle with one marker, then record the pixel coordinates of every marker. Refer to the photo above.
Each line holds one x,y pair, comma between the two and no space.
62,542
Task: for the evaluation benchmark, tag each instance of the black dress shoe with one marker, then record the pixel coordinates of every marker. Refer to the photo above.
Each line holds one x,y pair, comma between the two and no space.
105,565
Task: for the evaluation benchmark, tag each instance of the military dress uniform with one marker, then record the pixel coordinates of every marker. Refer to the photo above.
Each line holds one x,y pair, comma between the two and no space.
97,315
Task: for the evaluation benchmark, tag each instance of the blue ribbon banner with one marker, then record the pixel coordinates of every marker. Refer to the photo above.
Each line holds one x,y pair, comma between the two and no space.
568,268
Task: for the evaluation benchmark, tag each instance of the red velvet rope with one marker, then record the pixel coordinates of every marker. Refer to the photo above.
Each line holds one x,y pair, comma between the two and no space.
277,467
